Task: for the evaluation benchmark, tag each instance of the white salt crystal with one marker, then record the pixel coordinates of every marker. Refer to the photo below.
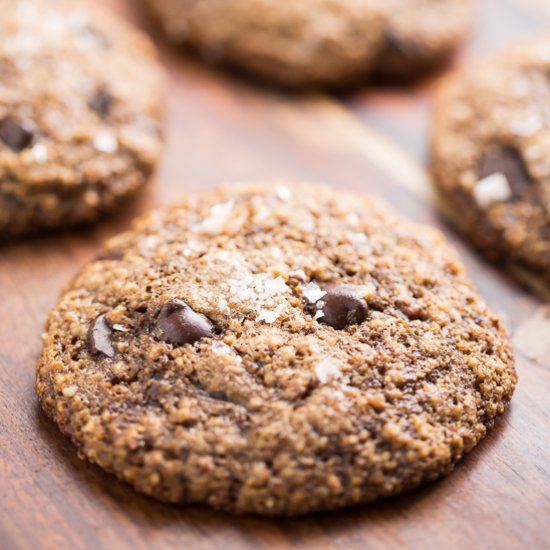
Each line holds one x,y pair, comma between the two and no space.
492,189
39,153
318,314
356,238
223,306
352,219
106,142
327,369
69,391
312,293
267,316
217,219
275,286
284,193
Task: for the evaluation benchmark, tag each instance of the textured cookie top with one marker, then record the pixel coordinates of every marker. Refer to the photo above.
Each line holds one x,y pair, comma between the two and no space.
324,43
79,112
275,350
491,154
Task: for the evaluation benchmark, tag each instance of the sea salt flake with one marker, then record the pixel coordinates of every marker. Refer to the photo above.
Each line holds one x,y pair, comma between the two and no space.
312,293
356,238
301,261
276,253
268,316
39,153
261,293
262,214
337,394
106,142
492,189
120,328
259,289
221,348
150,243
69,391
221,255
352,219
298,274
215,223
275,286
223,306
284,193
192,247
327,369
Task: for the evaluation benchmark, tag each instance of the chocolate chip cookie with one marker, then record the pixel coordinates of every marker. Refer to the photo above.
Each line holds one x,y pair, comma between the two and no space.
80,108
328,43
491,158
274,350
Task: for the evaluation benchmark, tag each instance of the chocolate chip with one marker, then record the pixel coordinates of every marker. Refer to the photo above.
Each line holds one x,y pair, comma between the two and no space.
219,395
17,134
343,306
507,161
101,102
178,324
99,337
155,390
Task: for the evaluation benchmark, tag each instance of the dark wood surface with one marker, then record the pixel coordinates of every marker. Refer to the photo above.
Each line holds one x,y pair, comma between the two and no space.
220,128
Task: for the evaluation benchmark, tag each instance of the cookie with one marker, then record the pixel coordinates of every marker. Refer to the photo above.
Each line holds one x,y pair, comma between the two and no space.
80,110
274,350
491,158
334,43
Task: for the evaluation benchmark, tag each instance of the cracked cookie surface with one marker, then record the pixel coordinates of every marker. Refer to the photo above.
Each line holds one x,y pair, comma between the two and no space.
490,151
274,350
79,117
325,43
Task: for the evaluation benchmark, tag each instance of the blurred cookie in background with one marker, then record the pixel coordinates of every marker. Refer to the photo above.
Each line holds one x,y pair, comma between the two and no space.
80,111
326,43
491,158
422,34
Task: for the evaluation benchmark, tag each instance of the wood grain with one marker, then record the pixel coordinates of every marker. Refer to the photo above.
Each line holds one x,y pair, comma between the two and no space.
220,128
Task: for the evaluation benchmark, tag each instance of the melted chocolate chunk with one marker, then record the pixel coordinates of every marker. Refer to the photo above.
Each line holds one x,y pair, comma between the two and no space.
507,161
178,324
101,102
17,134
343,307
99,337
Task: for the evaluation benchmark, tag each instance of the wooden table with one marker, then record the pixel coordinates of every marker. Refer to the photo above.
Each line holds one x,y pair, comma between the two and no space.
219,129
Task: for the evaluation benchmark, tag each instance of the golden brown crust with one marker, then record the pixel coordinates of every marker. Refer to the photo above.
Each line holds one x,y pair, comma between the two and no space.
277,412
